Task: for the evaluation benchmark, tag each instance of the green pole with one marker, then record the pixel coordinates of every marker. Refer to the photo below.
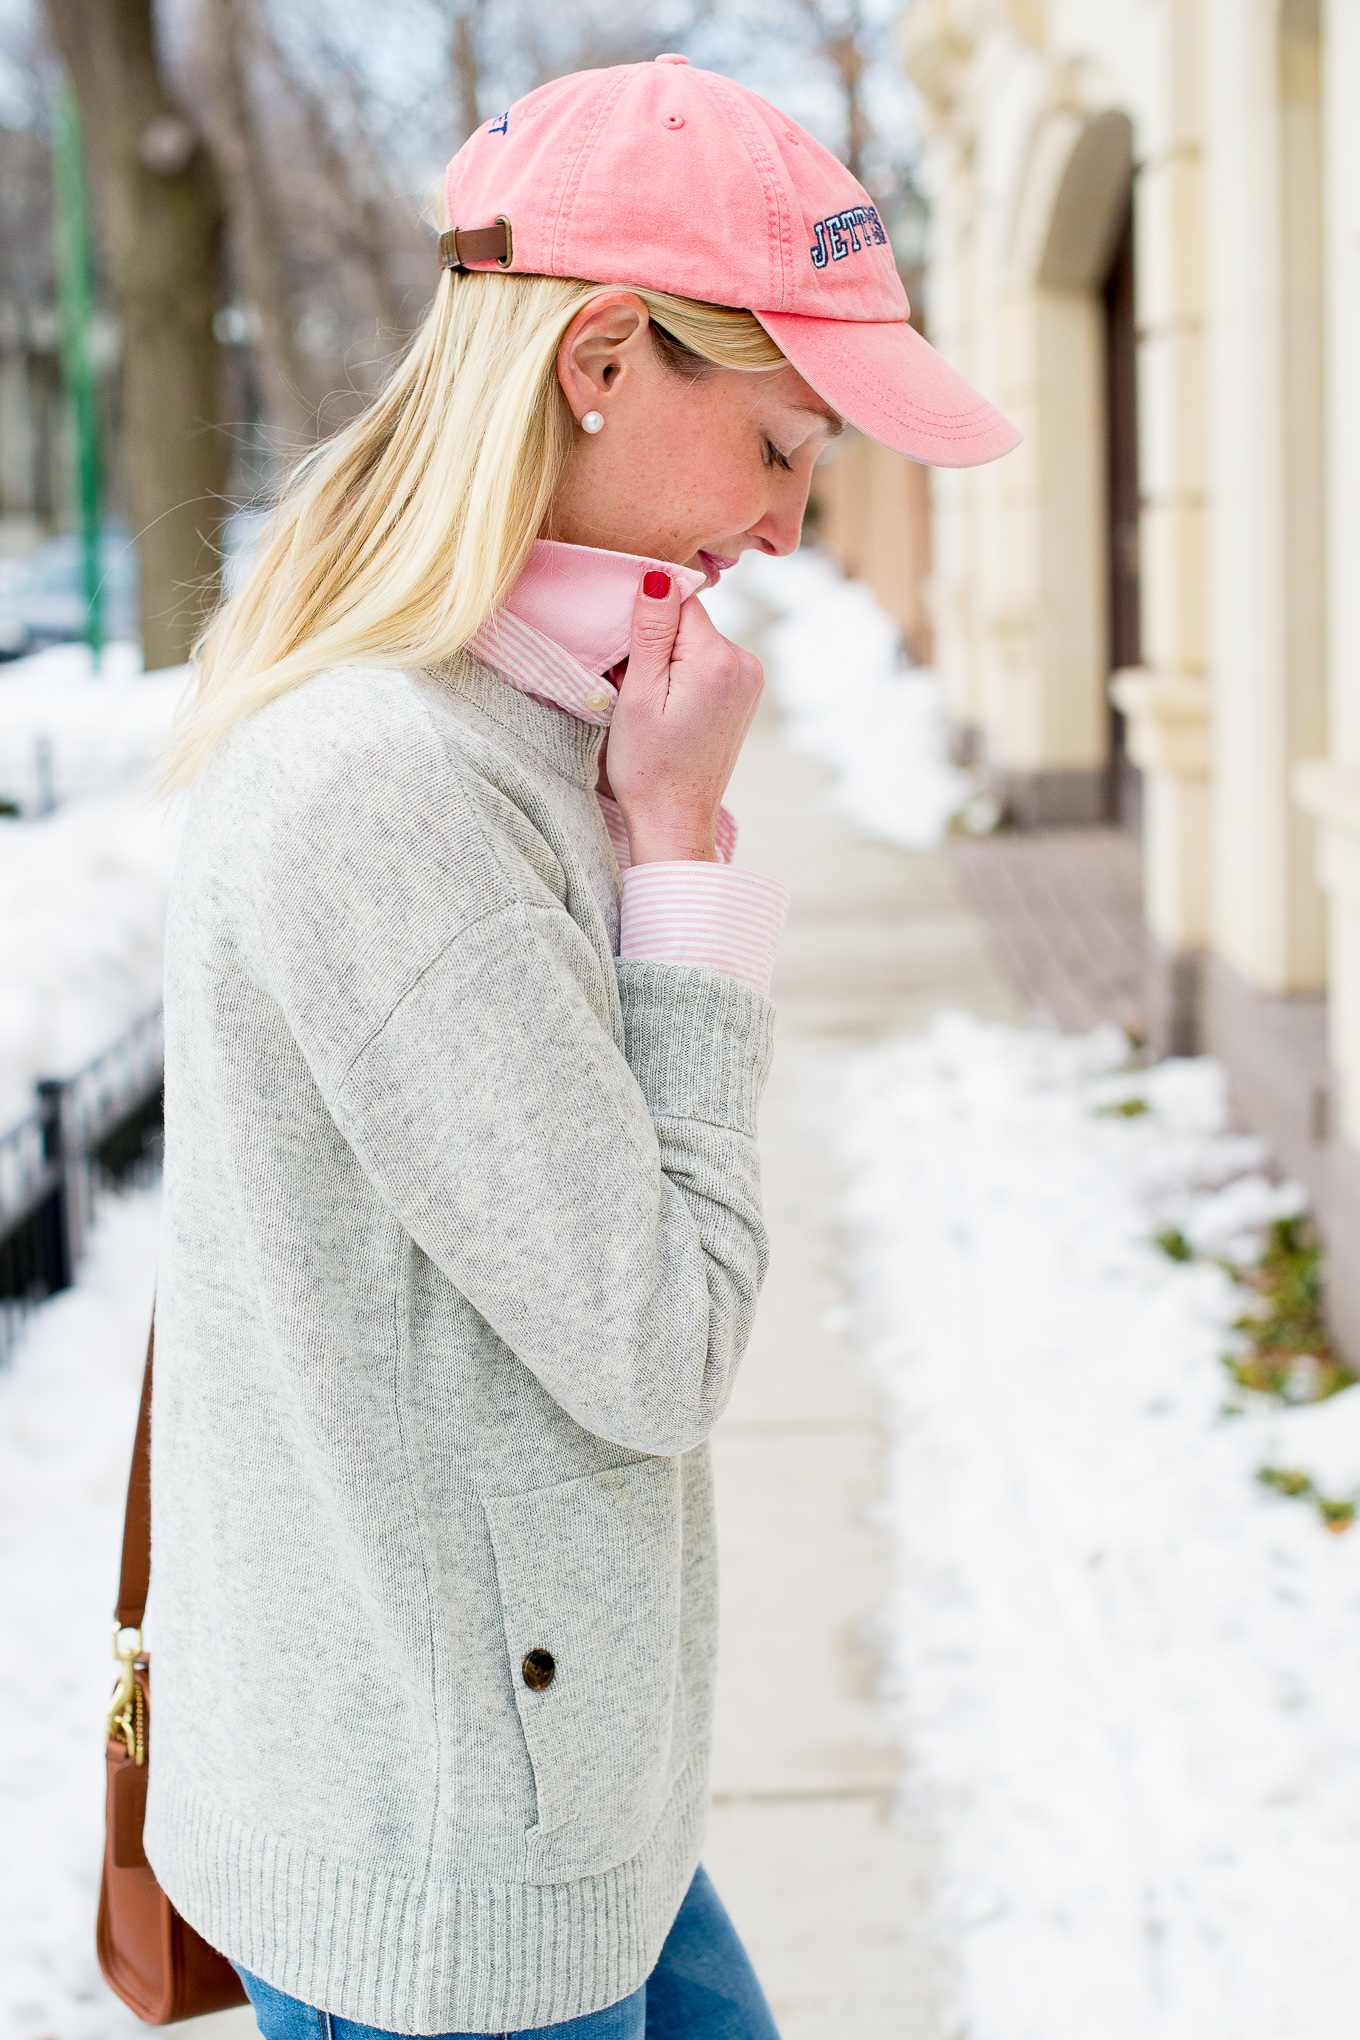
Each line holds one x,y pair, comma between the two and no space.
77,354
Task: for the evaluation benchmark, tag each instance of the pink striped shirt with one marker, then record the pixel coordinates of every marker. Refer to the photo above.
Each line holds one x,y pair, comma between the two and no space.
566,622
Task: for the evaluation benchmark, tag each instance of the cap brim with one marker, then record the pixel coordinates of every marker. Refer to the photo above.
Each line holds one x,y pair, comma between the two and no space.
890,383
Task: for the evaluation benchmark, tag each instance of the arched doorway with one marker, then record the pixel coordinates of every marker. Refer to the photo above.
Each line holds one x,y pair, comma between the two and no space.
1124,796
1070,608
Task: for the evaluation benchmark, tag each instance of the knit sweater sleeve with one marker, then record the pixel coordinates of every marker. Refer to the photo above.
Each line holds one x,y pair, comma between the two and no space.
599,1208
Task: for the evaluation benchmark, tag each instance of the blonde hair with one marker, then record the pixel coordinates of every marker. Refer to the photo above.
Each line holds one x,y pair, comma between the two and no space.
396,539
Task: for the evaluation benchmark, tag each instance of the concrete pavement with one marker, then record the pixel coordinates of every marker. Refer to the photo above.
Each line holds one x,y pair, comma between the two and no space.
825,1890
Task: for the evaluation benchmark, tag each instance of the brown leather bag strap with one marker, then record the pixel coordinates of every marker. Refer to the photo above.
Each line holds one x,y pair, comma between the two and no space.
461,245
134,1581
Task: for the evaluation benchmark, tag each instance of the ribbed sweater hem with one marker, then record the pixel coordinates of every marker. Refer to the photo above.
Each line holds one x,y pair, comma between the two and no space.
427,1956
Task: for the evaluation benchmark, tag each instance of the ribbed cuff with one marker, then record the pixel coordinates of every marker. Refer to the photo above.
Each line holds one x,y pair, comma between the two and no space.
699,1043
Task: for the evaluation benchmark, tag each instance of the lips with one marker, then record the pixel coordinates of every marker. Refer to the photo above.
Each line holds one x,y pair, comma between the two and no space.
713,565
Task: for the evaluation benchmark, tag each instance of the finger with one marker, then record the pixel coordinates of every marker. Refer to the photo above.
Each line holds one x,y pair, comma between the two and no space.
656,618
699,636
697,628
702,649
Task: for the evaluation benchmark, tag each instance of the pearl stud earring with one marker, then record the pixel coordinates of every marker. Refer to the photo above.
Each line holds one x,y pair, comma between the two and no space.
592,422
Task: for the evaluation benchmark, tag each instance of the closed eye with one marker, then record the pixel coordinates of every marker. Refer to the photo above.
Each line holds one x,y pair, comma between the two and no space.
774,458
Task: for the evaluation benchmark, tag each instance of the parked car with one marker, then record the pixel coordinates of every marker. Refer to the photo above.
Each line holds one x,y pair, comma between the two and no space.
42,601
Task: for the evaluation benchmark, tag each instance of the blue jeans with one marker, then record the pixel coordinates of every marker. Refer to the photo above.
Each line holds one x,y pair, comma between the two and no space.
703,1988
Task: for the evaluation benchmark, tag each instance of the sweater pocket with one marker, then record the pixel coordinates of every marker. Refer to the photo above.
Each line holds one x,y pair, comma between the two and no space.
589,1578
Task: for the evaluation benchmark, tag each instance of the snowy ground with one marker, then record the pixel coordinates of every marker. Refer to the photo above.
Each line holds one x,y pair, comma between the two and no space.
1128,1678
82,919
68,732
834,666
83,889
82,909
68,1406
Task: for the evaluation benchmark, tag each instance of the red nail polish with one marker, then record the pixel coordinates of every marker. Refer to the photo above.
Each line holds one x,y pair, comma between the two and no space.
658,586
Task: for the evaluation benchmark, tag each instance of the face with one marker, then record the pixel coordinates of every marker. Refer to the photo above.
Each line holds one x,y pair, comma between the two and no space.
695,470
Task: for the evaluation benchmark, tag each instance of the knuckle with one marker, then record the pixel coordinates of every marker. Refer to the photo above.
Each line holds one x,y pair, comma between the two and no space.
650,651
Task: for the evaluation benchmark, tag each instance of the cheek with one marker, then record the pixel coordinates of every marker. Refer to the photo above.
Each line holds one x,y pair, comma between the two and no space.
713,474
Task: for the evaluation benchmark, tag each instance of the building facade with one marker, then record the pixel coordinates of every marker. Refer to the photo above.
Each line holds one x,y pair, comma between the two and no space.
1146,248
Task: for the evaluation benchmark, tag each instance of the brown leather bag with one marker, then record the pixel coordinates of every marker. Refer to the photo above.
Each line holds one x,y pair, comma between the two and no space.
151,1958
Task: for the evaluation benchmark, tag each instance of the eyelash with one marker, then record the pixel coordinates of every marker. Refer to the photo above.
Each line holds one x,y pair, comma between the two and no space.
774,458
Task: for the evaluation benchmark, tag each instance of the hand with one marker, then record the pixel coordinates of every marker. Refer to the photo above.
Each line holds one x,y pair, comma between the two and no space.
685,705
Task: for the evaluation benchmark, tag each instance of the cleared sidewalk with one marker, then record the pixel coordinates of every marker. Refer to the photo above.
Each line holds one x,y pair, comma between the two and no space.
826,1891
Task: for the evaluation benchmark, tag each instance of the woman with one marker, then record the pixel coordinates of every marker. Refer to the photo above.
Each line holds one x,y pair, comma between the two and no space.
466,1028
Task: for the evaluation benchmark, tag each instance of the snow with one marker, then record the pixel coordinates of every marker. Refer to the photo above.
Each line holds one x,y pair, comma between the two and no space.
82,889
82,910
68,1406
1126,1676
69,731
82,920
834,663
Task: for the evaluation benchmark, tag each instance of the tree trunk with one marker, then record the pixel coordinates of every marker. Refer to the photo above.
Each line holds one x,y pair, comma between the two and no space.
354,174
288,386
464,66
157,196
840,43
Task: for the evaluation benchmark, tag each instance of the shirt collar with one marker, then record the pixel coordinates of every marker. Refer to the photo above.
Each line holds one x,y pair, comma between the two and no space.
567,620
582,598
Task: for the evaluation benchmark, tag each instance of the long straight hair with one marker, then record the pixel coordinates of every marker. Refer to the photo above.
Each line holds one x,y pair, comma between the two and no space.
395,540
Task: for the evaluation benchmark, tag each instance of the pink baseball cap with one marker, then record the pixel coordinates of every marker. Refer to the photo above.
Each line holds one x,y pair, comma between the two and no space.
683,181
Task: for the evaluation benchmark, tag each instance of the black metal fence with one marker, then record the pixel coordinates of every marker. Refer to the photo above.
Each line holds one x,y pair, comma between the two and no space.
101,1127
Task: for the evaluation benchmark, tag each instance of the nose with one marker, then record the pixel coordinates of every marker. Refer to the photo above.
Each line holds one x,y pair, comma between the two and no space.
780,529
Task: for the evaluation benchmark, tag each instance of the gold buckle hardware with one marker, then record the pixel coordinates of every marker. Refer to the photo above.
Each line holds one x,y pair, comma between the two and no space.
127,1708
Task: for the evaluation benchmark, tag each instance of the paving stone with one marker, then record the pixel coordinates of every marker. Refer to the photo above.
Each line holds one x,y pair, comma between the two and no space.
1065,908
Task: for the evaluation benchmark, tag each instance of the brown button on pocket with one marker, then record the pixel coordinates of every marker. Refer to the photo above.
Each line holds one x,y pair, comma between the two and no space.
538,1669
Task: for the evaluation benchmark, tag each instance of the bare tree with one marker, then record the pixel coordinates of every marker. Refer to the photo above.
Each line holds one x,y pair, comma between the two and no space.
162,212
27,253
841,43
369,218
507,47
235,41
791,50
465,68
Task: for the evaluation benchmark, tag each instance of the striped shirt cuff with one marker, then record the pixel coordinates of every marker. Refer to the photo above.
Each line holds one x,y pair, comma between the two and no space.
713,916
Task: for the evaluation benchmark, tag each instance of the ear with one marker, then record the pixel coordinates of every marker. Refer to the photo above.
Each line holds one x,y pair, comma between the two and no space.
604,344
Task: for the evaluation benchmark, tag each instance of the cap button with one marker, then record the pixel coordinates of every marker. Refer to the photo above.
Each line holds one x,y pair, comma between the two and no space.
671,58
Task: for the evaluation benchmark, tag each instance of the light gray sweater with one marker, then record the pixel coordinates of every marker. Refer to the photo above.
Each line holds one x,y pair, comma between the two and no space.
462,1245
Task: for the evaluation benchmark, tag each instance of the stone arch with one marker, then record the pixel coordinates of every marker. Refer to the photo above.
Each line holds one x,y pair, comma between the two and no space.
1071,200
1088,206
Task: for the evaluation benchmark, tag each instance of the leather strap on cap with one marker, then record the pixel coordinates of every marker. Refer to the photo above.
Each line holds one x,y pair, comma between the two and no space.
134,1581
461,245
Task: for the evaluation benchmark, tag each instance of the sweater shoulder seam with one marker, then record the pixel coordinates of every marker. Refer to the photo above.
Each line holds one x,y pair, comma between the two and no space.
513,905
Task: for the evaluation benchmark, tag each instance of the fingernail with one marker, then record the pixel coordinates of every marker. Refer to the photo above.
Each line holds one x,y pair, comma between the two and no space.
658,586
